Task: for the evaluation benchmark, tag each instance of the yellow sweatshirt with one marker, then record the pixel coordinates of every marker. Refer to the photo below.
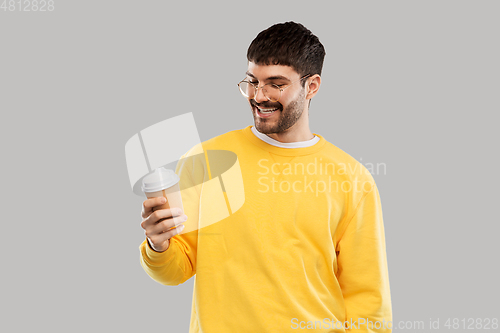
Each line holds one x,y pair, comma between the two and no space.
305,251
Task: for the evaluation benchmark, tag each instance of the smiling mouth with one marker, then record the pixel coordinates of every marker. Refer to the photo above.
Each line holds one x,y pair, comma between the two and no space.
265,110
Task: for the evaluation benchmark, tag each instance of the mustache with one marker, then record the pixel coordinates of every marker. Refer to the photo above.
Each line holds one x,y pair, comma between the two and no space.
266,105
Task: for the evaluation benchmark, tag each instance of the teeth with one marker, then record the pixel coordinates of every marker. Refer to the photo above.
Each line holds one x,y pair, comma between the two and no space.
268,110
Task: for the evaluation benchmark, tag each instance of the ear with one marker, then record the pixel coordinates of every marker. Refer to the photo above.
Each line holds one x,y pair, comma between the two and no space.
312,85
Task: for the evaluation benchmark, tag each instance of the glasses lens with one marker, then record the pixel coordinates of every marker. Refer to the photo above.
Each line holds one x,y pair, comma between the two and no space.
272,92
247,89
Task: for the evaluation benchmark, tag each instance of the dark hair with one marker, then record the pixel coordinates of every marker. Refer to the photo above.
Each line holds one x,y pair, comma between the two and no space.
289,44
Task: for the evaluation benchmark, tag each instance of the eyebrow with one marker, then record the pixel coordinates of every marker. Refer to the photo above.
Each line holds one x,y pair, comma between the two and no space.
274,77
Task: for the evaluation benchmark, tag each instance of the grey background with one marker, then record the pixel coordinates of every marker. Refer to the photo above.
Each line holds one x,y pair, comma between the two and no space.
411,84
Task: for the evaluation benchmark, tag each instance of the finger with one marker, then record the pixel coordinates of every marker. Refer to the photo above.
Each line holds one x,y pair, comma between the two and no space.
167,224
149,204
161,214
159,239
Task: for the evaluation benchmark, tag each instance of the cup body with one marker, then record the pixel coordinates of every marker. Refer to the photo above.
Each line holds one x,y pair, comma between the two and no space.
172,194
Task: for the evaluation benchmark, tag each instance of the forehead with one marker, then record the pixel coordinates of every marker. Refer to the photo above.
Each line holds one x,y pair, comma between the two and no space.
262,72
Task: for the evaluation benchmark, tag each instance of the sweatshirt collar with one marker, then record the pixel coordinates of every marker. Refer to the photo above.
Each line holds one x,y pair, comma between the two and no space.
305,147
271,141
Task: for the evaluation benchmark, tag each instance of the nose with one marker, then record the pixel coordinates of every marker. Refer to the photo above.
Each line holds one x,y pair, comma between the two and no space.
259,97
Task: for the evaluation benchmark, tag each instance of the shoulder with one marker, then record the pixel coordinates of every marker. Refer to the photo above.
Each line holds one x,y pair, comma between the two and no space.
216,154
345,164
223,141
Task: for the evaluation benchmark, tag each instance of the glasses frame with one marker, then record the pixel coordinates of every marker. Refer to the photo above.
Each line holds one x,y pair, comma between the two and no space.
269,84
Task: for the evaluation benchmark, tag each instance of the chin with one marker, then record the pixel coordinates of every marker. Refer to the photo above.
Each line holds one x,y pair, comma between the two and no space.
264,128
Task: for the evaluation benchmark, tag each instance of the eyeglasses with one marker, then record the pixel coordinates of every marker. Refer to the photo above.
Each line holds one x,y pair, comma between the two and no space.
271,91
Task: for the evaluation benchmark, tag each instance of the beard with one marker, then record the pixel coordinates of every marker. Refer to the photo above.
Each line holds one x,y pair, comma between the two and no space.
287,116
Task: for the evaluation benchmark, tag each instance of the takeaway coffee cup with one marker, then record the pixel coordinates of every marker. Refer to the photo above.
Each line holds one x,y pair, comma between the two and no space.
163,183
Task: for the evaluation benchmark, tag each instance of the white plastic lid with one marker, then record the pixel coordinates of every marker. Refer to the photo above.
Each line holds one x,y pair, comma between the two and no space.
159,180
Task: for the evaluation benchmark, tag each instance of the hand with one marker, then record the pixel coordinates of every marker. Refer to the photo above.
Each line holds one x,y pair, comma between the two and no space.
161,224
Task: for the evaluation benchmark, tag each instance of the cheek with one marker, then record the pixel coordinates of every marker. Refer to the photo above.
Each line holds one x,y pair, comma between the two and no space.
292,104
288,99
297,101
284,103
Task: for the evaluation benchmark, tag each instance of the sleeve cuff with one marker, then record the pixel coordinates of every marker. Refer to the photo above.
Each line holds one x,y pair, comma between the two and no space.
157,258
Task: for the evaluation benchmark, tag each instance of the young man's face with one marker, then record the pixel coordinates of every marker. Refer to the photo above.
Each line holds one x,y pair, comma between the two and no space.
288,110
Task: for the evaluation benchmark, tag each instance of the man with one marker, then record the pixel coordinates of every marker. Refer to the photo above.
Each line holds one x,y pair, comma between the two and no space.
307,248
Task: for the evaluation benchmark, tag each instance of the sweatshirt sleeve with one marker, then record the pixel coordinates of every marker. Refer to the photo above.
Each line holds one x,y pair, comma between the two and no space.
178,263
363,272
